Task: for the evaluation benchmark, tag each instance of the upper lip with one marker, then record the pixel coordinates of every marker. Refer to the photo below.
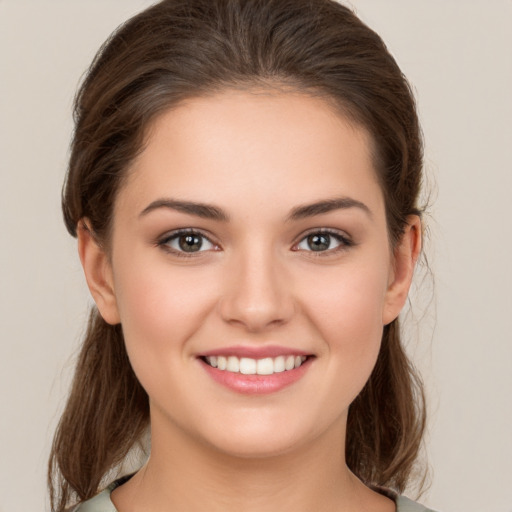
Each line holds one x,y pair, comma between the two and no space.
255,352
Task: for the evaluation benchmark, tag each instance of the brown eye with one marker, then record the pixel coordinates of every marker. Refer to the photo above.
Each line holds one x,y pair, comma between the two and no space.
190,243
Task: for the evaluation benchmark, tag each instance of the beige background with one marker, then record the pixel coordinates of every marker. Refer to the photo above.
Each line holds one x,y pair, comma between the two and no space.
457,53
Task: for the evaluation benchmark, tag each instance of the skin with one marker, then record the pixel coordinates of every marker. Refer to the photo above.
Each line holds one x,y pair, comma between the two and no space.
258,156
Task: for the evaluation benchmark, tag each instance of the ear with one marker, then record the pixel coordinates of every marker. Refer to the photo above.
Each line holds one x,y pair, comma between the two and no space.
98,273
405,256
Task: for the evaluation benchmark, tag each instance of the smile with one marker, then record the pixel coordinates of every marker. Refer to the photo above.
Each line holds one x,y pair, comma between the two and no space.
250,366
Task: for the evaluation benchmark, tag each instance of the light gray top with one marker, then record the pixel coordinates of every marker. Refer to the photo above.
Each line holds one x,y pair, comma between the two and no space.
103,503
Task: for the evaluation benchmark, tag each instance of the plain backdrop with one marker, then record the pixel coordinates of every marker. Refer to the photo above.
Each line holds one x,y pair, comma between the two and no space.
458,56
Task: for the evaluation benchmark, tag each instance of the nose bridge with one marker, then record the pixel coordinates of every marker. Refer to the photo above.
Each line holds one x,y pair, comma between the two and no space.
257,294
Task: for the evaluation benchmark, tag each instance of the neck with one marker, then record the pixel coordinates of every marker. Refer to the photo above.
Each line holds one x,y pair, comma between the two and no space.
184,474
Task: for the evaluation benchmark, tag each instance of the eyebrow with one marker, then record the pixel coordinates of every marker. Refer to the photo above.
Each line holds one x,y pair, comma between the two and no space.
326,206
206,211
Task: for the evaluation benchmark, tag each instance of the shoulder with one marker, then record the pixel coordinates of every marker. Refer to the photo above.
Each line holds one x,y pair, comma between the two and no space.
404,504
103,503
100,503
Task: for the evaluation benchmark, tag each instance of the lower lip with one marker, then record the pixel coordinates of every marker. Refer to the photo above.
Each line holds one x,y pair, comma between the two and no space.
257,384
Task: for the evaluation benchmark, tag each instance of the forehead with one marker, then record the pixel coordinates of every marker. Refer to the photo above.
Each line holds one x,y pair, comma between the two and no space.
278,145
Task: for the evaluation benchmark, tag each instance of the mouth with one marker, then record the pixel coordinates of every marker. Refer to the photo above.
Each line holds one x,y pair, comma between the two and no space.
250,366
256,370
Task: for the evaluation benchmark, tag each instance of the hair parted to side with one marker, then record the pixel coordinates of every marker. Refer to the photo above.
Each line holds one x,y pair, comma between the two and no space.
179,49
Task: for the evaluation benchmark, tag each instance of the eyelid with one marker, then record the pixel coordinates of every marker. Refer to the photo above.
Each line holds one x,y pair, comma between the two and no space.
163,241
343,237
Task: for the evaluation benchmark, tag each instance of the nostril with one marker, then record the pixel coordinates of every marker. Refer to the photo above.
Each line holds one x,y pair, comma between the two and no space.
256,316
257,294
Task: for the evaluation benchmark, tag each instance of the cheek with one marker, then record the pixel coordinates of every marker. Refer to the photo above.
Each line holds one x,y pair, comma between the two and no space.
160,308
347,312
351,298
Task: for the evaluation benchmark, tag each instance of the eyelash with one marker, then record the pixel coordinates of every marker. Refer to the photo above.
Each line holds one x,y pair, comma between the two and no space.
344,242
175,236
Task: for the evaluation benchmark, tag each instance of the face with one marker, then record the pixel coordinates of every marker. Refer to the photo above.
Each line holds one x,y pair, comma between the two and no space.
251,270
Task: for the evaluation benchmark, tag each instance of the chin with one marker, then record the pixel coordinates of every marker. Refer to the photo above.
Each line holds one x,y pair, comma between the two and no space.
256,438
256,446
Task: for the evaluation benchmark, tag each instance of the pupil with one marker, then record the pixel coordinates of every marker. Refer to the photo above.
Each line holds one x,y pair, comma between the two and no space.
318,242
190,243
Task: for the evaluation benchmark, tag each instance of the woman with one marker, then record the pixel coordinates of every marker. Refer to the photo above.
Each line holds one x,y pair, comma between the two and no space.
243,185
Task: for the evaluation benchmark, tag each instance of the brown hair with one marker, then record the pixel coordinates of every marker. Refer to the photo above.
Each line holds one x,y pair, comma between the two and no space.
182,48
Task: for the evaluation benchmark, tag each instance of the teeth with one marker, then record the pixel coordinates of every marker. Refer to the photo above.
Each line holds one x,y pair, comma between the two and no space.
249,366
265,366
222,363
233,364
279,364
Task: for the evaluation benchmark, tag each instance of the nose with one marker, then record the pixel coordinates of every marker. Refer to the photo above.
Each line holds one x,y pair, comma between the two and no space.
258,294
